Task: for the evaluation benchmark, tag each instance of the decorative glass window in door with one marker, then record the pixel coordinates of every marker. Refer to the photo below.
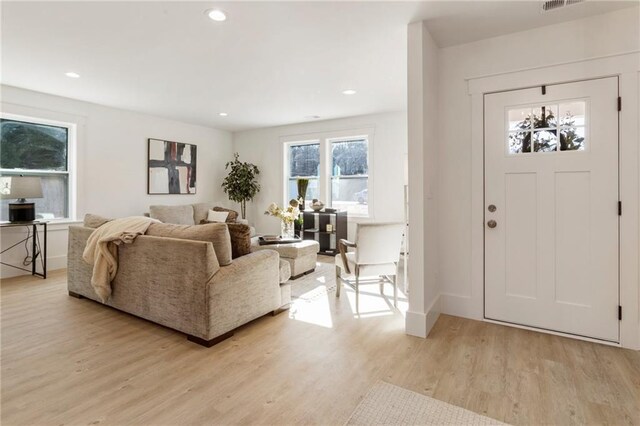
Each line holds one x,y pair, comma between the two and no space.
547,128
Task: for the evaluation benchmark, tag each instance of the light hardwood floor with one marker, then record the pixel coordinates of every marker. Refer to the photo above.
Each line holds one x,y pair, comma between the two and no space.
70,361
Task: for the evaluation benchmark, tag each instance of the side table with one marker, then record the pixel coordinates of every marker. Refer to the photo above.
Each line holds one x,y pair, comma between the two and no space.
37,250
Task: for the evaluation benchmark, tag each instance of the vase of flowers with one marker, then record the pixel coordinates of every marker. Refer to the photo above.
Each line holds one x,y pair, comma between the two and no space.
287,216
287,230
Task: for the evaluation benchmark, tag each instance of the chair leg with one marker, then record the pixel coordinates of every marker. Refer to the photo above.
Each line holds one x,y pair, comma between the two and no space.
357,293
395,291
338,281
382,286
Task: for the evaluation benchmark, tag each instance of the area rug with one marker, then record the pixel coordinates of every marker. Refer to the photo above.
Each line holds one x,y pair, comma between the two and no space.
386,404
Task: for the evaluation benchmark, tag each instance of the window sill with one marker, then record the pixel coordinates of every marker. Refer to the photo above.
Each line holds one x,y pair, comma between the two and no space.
62,224
65,221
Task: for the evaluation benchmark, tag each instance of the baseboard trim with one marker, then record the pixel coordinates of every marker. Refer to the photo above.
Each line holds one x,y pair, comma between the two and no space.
53,263
462,306
416,324
419,324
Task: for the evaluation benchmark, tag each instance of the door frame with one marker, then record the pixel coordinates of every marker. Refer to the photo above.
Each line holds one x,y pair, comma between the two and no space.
625,66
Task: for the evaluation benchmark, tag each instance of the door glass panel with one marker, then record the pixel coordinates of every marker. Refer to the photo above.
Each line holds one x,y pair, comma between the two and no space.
545,116
572,139
573,113
519,142
545,140
538,128
520,119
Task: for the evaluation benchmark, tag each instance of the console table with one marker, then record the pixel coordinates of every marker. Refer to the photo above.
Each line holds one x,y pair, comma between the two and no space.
315,228
38,250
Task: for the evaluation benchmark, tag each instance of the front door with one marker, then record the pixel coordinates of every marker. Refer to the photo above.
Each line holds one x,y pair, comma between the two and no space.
551,208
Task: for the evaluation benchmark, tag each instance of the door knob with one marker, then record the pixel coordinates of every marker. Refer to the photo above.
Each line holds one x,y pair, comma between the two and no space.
492,224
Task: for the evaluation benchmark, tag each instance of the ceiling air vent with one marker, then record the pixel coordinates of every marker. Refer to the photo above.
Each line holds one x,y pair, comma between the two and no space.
557,4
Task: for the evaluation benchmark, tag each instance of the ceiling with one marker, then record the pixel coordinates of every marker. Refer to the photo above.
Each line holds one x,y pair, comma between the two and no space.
270,63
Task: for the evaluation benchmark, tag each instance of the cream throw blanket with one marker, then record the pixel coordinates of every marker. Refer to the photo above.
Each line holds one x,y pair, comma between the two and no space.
102,249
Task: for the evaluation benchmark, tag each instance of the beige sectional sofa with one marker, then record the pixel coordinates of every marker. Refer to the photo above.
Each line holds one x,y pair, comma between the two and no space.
179,283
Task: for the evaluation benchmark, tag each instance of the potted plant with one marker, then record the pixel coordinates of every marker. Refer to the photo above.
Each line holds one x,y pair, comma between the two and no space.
241,184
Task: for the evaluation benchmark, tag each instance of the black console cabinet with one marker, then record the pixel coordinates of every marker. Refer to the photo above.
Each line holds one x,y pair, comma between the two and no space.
315,228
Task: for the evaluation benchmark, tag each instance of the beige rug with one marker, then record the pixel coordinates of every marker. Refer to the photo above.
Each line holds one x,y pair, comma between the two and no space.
386,404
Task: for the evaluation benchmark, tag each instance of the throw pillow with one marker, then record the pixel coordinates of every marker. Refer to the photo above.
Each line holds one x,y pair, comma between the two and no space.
240,239
216,233
233,215
181,215
94,221
214,216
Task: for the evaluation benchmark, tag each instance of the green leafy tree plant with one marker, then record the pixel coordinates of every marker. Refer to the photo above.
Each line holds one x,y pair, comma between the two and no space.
241,184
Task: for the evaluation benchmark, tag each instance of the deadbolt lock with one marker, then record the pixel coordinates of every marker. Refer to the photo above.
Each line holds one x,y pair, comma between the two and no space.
492,208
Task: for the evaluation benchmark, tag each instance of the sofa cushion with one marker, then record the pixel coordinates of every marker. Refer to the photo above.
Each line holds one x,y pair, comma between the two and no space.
216,233
94,220
240,239
233,215
180,215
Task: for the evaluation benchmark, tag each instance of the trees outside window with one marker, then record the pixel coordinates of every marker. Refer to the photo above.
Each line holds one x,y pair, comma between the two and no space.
337,169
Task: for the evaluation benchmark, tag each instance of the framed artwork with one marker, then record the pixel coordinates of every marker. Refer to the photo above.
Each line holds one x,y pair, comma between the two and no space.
171,167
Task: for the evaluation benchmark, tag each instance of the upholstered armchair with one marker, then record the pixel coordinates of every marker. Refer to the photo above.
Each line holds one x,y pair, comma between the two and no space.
375,254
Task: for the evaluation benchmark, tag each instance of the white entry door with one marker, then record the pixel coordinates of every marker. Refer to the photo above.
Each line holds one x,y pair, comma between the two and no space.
551,208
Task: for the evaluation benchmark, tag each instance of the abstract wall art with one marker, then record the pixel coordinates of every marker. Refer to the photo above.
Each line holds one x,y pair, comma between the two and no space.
171,167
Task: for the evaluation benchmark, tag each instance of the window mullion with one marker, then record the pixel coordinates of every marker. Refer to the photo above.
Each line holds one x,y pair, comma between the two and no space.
325,166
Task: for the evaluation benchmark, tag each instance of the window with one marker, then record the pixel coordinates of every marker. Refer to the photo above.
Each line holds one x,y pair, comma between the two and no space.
337,167
547,128
349,176
304,163
37,148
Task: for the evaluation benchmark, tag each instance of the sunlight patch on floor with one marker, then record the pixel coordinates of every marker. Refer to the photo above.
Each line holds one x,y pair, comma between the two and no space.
373,304
312,307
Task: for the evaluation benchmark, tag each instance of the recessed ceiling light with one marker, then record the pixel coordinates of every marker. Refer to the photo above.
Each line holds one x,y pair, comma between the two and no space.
222,114
216,14
349,92
72,74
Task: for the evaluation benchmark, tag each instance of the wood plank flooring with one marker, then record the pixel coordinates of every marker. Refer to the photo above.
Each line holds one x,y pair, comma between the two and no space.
69,361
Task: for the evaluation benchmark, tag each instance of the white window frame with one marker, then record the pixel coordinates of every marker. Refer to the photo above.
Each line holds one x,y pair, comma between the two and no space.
326,139
287,168
71,160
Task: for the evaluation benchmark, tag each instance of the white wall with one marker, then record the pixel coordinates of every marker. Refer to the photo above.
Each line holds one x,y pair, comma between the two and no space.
598,36
264,147
423,114
111,160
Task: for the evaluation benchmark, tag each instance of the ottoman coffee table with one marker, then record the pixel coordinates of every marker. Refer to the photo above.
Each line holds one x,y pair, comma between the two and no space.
301,256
